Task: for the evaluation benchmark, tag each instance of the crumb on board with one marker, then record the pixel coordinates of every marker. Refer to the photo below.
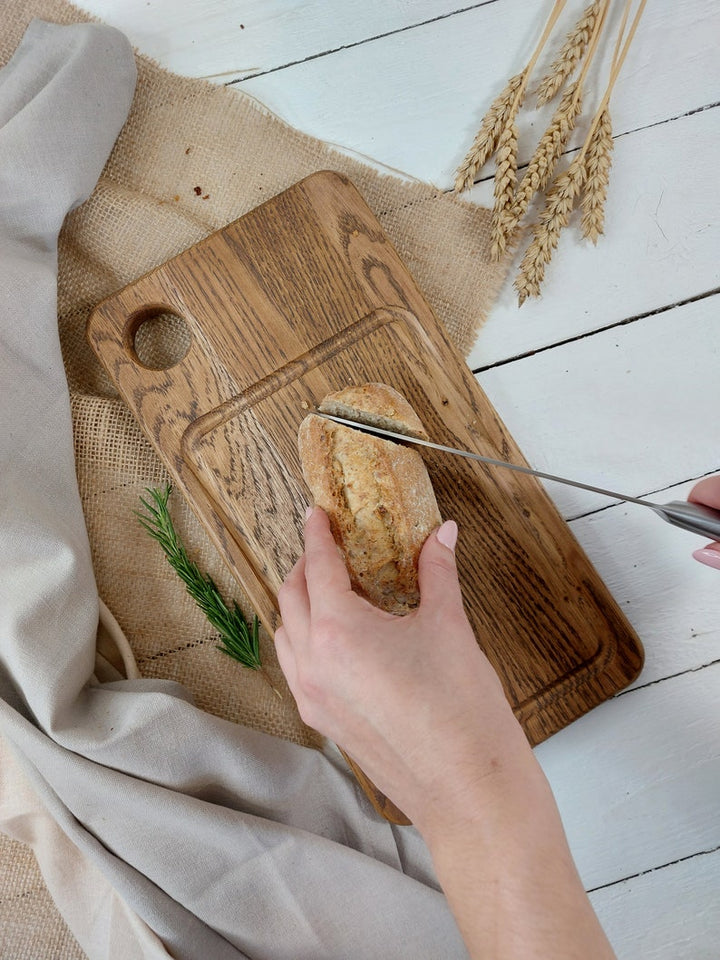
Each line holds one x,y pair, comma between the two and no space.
176,198
206,196
187,150
304,404
198,191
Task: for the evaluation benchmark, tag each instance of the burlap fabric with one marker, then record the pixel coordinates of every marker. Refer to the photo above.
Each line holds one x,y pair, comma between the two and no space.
182,135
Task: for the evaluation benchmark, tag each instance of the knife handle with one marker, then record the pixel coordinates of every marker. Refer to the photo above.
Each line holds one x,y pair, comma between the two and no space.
695,517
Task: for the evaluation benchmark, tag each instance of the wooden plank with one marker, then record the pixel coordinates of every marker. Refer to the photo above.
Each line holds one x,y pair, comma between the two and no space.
672,601
667,914
660,248
636,780
625,409
223,40
411,100
414,100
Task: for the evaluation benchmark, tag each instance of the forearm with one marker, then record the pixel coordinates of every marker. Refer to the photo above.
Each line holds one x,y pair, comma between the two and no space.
508,874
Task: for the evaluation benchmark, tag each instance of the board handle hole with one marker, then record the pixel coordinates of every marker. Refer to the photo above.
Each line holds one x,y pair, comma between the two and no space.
160,339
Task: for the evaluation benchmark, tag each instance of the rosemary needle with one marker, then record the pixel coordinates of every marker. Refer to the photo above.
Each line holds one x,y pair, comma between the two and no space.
238,639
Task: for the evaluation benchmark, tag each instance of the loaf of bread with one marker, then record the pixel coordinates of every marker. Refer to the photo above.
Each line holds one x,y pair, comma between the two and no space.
377,493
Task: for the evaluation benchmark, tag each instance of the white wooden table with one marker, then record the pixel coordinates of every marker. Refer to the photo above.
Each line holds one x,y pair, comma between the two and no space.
612,377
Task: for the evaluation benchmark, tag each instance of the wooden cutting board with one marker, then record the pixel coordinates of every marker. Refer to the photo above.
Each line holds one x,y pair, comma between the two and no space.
299,298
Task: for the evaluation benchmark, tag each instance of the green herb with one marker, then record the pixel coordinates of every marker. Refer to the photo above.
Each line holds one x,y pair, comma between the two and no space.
238,639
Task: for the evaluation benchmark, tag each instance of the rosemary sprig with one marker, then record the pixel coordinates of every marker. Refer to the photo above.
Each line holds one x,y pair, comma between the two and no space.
238,639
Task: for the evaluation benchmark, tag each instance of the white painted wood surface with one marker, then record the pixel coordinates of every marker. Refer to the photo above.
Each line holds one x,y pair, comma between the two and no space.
613,376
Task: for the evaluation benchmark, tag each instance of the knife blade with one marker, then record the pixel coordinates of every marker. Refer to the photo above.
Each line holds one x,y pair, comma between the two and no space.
695,517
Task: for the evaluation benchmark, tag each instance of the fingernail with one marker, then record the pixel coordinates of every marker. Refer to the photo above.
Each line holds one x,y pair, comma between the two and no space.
710,556
308,513
448,534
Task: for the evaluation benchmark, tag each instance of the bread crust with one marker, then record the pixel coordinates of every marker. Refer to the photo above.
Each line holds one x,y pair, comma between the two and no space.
377,493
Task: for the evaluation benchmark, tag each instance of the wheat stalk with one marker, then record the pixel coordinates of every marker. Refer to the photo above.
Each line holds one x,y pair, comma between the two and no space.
549,150
502,112
561,198
598,161
559,205
487,137
505,184
541,165
571,53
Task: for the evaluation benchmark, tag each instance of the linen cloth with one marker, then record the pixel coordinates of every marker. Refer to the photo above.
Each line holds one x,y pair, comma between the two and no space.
225,842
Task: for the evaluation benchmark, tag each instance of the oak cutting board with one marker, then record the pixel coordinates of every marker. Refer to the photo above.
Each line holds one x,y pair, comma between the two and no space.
303,296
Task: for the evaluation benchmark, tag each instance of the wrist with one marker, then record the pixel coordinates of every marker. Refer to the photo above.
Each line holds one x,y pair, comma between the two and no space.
491,794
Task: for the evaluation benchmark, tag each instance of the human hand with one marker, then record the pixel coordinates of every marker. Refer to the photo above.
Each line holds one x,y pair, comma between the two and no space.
413,700
707,491
416,703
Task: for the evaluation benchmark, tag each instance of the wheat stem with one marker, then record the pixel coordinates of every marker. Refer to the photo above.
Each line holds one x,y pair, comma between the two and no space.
550,148
502,112
621,32
614,73
598,160
561,198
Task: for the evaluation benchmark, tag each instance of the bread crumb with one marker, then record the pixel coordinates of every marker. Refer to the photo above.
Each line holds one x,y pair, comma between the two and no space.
176,198
198,190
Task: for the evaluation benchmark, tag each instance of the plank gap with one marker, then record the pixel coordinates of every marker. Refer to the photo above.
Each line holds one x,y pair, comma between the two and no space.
358,43
641,496
671,676
662,866
616,136
592,333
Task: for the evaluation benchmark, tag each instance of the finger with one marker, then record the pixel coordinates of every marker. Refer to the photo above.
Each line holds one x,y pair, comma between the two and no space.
437,571
325,573
286,657
707,491
709,555
294,603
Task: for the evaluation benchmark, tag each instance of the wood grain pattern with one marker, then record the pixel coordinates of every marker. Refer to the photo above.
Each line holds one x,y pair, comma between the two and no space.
304,296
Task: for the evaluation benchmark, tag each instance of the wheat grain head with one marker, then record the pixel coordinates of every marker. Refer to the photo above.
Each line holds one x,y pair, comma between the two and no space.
598,160
570,54
501,111
505,183
548,151
559,205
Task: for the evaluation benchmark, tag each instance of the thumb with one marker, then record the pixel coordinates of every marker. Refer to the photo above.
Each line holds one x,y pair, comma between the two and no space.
437,571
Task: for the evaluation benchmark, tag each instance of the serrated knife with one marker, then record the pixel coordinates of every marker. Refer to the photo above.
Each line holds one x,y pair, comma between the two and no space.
695,517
